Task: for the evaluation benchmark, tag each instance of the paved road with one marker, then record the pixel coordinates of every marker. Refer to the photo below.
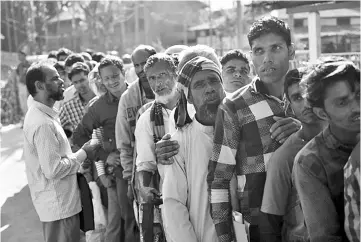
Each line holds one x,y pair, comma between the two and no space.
19,221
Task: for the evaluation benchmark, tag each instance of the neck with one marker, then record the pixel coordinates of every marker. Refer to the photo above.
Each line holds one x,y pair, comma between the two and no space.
46,101
88,96
204,121
172,101
309,131
275,88
344,136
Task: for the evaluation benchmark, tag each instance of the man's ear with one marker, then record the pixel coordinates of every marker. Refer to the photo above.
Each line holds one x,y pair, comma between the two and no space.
190,96
40,85
320,113
291,51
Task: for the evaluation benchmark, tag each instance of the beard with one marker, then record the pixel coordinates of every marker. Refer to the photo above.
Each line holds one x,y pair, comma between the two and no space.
209,111
166,98
55,95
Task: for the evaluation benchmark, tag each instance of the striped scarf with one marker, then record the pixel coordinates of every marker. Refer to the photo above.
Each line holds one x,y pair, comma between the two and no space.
157,121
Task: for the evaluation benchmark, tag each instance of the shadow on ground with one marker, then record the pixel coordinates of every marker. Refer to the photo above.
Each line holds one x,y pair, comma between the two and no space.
19,213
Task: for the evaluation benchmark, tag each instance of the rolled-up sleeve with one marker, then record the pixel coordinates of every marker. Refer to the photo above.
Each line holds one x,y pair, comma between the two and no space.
52,164
320,213
175,193
146,160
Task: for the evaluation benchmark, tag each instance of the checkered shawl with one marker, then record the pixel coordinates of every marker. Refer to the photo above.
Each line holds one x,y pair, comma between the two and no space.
72,112
242,145
185,77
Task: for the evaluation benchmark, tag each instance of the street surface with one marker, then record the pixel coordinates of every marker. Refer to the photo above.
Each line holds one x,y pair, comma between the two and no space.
19,221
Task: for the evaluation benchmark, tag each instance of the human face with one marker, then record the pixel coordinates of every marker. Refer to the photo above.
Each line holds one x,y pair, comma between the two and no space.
299,104
206,93
54,85
342,106
235,74
81,83
139,59
270,56
112,78
161,79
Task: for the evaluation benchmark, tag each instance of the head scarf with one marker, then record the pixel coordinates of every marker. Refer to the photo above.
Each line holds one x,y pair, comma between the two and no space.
185,77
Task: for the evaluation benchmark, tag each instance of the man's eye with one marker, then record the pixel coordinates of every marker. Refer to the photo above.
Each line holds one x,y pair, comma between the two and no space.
277,47
258,51
230,70
152,78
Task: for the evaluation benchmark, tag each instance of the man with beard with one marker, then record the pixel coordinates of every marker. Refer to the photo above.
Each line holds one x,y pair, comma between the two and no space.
72,111
152,125
281,216
333,92
235,71
51,167
246,132
185,197
103,113
139,93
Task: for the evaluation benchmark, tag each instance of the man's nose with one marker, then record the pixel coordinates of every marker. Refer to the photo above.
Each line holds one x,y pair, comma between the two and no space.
268,57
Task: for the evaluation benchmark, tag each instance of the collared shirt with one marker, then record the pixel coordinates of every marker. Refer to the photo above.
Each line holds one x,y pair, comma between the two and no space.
185,193
352,195
280,195
72,112
318,177
242,145
102,113
50,165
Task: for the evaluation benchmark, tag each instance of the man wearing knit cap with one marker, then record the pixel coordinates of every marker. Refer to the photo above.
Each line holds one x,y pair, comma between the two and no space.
185,198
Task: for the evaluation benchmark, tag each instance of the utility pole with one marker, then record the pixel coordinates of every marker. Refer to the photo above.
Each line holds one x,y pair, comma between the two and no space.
210,24
8,21
239,25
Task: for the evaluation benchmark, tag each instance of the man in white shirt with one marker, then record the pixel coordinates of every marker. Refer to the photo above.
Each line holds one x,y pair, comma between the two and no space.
51,166
186,208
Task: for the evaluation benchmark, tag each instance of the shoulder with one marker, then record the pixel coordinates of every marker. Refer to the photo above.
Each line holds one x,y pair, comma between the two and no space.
144,119
130,92
92,101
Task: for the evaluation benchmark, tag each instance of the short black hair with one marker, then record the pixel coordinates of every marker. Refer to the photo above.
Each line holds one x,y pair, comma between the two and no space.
111,61
234,54
78,68
294,77
60,65
98,56
63,51
73,58
267,25
151,51
323,75
33,74
52,54
152,60
86,56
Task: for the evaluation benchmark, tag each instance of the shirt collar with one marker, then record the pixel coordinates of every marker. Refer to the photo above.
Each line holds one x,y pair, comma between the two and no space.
52,112
333,143
257,86
111,98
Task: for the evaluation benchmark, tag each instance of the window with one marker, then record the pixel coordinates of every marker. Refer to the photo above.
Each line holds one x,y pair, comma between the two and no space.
343,21
298,23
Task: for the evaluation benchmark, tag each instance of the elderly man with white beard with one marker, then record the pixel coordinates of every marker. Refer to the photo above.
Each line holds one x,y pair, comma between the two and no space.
152,125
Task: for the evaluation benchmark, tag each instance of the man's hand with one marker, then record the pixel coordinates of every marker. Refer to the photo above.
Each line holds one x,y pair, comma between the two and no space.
150,195
91,149
283,128
106,181
113,159
165,149
130,194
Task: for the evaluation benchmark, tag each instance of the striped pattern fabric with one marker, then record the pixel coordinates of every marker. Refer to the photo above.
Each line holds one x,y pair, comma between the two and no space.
72,112
352,195
50,165
242,145
157,121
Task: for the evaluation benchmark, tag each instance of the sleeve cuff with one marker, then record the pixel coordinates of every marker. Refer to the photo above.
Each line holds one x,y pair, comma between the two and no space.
80,155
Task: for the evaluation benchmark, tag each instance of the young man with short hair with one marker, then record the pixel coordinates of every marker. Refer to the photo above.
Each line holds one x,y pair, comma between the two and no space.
333,92
235,70
281,218
249,128
102,113
62,54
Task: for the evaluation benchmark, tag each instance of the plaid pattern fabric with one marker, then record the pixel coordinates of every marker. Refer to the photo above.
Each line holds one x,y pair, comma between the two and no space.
156,119
72,112
352,195
318,178
242,145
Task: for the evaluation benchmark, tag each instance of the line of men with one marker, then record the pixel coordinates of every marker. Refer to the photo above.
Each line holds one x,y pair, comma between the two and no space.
195,138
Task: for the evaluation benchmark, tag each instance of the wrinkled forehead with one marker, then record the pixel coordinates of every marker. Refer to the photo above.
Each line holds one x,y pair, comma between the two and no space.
341,89
159,67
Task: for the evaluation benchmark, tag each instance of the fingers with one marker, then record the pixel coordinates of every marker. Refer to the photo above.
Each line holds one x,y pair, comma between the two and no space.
280,122
166,156
166,143
283,132
166,161
166,137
